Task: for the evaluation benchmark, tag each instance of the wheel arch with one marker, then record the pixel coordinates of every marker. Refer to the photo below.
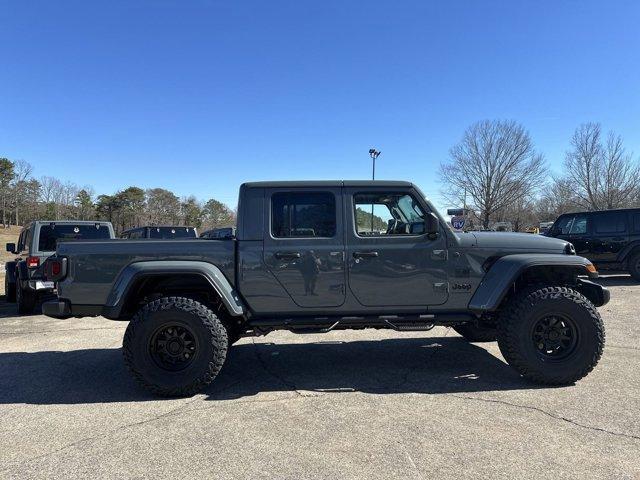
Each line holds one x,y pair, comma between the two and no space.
629,251
510,273
192,278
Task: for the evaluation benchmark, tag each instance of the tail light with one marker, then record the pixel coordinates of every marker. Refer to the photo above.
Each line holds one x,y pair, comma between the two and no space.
33,262
55,268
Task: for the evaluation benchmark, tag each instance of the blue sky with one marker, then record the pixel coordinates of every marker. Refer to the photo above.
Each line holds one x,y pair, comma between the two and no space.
200,96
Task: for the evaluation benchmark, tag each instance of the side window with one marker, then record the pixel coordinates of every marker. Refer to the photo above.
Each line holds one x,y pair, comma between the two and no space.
579,226
28,236
563,225
303,214
25,240
20,246
610,222
636,222
136,234
387,213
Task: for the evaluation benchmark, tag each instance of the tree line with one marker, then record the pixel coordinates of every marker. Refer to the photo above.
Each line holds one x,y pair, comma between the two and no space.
24,198
495,170
498,173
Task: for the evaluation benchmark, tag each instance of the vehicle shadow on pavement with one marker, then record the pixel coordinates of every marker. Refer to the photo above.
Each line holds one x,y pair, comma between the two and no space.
431,365
404,365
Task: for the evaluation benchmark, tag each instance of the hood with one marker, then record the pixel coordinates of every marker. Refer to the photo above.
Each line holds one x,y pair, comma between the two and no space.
519,242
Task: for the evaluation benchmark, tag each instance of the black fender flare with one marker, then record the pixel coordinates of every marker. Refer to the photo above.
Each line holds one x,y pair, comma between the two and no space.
134,271
506,270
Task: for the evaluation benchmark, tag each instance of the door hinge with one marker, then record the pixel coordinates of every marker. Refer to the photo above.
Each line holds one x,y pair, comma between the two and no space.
439,255
441,287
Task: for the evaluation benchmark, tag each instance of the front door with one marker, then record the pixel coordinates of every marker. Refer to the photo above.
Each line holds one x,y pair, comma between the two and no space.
304,249
391,260
575,228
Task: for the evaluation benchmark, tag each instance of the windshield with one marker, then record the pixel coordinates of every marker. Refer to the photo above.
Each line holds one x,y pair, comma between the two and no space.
172,232
50,234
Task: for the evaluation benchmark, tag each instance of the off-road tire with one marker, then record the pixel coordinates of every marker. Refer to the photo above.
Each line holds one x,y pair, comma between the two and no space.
633,266
207,330
9,291
25,299
474,333
517,322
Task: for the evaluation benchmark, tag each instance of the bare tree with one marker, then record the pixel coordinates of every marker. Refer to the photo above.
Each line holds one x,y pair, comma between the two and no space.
602,176
22,171
496,164
558,198
51,190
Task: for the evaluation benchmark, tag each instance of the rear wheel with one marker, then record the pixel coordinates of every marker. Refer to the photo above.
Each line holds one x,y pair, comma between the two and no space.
475,333
9,291
175,346
633,265
26,300
551,335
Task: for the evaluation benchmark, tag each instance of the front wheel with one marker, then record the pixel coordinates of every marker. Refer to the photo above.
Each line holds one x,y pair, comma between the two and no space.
175,346
551,335
633,265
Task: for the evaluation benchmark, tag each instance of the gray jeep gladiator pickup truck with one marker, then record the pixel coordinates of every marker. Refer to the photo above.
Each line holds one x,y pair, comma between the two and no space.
311,257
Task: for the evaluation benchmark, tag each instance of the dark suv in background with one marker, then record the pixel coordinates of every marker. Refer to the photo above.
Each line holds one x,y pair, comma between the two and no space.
219,233
609,238
24,282
164,232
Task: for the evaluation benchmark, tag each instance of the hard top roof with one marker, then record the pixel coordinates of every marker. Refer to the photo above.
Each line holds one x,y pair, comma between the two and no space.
158,226
68,222
327,183
598,212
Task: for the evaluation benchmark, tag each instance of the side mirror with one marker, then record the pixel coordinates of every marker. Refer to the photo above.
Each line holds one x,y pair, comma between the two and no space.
431,224
11,247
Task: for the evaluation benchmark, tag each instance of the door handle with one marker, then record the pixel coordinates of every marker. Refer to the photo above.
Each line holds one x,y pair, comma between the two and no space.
365,254
287,255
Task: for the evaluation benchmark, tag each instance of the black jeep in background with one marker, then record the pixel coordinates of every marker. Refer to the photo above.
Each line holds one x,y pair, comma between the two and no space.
610,238
219,233
159,233
24,282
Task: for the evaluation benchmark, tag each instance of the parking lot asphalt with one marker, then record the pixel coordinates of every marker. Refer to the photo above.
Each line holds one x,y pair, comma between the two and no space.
350,404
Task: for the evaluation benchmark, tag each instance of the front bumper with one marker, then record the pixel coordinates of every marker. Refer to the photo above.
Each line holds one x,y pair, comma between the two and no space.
597,294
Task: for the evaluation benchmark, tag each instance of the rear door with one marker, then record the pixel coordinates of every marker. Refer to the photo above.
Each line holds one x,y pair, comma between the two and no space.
391,261
610,234
304,247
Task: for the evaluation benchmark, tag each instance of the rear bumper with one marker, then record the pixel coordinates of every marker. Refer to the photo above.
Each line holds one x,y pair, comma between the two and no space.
64,309
57,309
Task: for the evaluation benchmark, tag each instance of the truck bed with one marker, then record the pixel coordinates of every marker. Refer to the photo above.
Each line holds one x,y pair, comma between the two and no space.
94,266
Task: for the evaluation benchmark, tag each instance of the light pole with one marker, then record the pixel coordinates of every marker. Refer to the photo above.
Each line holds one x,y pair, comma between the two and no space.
373,153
